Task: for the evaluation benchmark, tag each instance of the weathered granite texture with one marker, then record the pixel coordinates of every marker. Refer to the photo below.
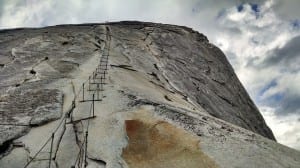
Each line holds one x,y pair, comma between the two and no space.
171,99
194,67
22,109
30,60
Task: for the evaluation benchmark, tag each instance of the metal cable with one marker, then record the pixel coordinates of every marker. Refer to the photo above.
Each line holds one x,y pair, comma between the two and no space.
38,152
71,112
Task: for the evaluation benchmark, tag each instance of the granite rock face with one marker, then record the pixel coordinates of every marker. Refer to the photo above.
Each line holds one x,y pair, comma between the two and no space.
193,67
169,99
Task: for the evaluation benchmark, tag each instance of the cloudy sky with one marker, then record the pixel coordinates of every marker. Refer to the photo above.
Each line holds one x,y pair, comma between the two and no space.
261,39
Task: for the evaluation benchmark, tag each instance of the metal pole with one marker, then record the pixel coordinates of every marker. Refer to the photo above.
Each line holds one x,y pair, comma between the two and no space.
93,105
71,115
83,92
86,141
50,158
98,91
101,83
89,82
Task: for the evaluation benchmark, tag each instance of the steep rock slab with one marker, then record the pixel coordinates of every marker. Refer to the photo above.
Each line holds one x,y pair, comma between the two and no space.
138,80
31,61
176,55
191,65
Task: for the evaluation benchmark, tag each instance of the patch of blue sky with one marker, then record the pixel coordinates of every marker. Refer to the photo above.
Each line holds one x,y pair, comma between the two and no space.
273,99
295,24
273,83
255,7
240,7
276,97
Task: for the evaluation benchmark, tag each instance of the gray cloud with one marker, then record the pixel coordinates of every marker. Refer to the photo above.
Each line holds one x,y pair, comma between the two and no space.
290,104
287,10
199,14
288,54
264,50
286,61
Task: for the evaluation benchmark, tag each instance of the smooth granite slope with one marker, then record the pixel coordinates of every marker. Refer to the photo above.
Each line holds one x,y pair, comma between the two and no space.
171,99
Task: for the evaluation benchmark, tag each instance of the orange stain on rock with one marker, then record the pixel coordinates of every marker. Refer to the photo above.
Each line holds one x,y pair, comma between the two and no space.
161,145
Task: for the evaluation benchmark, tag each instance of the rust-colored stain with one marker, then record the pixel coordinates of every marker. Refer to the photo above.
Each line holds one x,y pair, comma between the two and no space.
161,145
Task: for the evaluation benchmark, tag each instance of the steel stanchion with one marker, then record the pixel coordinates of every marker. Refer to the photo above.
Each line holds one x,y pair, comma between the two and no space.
83,92
50,158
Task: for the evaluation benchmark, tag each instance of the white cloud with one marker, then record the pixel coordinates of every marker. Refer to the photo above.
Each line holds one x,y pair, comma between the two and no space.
258,36
198,14
261,36
24,13
286,129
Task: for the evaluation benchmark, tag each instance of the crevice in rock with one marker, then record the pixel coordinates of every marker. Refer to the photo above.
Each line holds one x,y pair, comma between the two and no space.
140,102
100,162
180,61
219,82
21,83
32,71
163,87
97,45
127,67
70,62
154,75
199,79
18,144
64,43
226,100
5,148
56,164
167,98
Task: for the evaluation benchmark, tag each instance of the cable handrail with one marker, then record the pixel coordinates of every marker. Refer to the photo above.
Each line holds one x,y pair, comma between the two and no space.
69,113
38,152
